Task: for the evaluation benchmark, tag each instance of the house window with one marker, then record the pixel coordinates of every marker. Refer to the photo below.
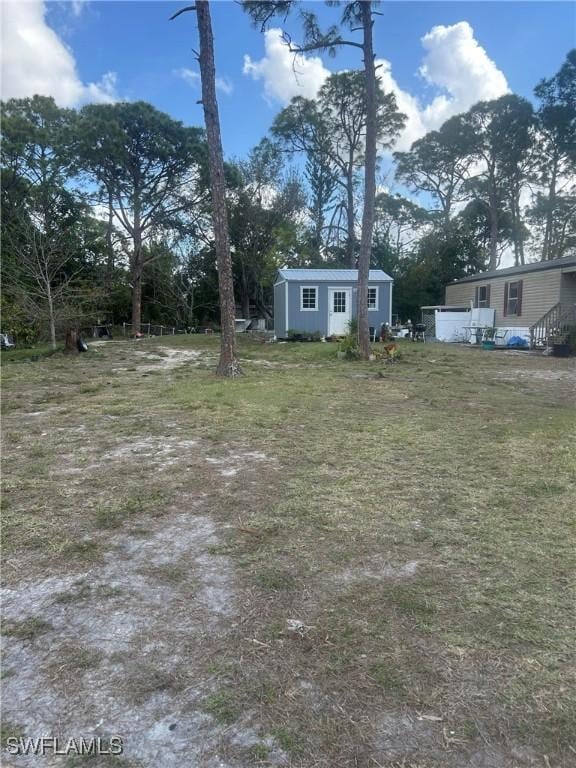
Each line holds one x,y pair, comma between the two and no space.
373,298
482,296
513,298
308,298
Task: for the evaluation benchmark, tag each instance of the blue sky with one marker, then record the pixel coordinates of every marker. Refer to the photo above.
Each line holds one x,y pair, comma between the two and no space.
504,44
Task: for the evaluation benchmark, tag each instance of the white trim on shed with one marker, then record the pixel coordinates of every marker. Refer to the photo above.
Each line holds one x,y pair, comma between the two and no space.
316,299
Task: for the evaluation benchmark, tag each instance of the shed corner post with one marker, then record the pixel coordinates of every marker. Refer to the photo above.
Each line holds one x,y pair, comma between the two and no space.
286,308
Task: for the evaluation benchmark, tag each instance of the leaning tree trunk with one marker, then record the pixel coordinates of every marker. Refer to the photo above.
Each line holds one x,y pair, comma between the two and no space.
228,364
369,182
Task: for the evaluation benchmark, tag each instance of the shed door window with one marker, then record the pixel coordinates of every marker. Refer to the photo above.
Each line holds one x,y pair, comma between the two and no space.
513,298
372,298
339,301
309,298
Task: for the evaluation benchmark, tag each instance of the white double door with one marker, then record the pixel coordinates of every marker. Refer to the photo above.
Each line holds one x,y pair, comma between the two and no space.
339,310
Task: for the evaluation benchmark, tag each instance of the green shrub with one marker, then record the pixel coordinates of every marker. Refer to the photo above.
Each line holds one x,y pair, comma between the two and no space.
348,347
18,324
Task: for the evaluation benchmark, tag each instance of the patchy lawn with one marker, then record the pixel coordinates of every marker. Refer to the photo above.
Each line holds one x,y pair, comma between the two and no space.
315,565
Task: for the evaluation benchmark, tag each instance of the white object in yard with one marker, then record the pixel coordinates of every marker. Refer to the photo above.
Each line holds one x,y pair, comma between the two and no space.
451,326
294,625
241,325
480,317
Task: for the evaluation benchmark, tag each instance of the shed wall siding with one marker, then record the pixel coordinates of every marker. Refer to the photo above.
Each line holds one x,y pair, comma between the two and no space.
317,320
540,292
280,310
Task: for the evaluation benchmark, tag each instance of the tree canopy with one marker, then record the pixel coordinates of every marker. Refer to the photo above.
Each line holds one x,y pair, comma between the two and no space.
106,211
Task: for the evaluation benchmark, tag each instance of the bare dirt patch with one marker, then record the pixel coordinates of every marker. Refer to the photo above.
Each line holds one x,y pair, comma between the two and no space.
234,461
169,359
305,566
553,378
126,648
568,375
377,569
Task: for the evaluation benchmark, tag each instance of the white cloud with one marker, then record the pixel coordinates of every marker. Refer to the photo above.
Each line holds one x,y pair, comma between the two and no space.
456,61
224,85
193,78
457,66
284,75
454,64
104,91
36,61
188,75
78,6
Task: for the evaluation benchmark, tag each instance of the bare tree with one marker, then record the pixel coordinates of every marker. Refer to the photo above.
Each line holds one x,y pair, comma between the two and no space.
228,364
40,270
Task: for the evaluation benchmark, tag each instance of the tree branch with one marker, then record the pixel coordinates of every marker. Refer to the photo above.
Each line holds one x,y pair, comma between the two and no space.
182,10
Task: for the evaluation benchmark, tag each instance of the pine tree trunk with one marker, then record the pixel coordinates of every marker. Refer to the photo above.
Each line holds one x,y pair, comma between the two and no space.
547,248
519,232
351,235
369,183
136,301
516,215
137,270
245,293
109,245
493,201
514,223
228,364
51,317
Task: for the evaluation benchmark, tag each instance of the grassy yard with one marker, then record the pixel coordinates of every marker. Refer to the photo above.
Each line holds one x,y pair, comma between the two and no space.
325,563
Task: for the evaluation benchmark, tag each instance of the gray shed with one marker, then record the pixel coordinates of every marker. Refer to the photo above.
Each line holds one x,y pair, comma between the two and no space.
324,300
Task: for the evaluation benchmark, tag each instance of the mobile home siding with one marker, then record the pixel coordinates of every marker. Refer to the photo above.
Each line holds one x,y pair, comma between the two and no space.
568,288
540,292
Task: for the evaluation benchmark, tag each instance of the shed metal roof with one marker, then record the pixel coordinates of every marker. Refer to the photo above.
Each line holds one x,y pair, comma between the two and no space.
331,275
537,266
